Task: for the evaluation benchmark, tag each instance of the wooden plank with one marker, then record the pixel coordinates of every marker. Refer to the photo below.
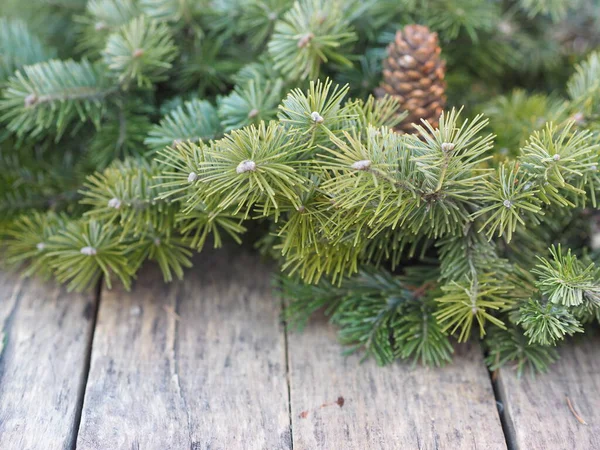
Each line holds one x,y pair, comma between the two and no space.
338,403
537,414
45,336
198,364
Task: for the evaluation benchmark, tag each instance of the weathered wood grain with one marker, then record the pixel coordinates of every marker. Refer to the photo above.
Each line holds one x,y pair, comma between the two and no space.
198,364
338,403
45,335
537,415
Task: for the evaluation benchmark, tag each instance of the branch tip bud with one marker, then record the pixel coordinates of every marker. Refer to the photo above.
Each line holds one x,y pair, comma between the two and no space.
316,117
114,203
88,251
364,164
30,100
305,40
447,146
246,166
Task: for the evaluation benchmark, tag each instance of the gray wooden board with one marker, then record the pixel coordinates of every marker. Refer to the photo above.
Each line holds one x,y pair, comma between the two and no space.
338,403
197,364
45,336
536,410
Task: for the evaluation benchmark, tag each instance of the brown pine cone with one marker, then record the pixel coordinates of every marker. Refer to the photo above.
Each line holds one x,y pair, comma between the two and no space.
413,72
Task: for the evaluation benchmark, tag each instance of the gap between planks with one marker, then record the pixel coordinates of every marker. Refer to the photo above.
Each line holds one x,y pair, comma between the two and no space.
87,363
45,337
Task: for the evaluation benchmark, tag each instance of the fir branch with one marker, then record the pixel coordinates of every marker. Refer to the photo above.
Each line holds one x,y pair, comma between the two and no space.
509,196
122,134
84,251
511,347
195,120
545,323
19,47
451,17
101,18
126,193
317,112
259,18
248,166
560,159
250,103
200,223
52,95
308,35
470,301
26,240
171,253
174,11
565,279
140,51
584,86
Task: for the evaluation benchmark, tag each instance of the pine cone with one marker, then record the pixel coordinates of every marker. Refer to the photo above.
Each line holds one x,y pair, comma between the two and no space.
413,72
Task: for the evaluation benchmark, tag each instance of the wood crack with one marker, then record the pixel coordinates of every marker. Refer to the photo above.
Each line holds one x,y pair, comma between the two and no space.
174,345
7,324
87,365
287,371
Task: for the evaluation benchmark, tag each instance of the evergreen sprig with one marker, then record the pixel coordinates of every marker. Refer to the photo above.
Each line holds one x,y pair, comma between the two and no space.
309,35
19,47
141,51
565,279
52,95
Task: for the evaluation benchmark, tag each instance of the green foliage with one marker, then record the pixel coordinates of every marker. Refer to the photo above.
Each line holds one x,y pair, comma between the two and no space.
140,51
251,103
511,348
171,10
308,35
546,323
103,17
510,196
566,280
259,18
126,193
515,116
470,302
254,166
28,238
195,120
83,251
122,134
554,8
51,95
584,89
562,162
452,17
19,47
384,315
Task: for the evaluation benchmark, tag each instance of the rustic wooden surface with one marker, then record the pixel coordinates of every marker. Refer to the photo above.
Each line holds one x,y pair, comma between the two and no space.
206,364
338,403
199,364
536,410
44,340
